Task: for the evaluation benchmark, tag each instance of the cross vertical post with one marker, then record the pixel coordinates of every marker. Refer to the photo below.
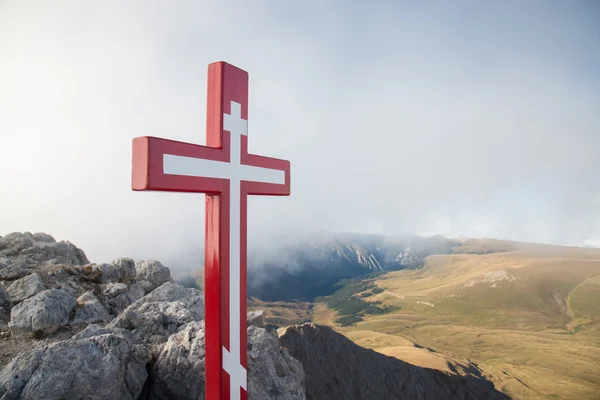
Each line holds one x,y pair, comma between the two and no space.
227,173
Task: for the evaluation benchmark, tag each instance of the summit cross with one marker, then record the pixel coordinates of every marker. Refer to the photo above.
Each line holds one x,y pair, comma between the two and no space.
227,174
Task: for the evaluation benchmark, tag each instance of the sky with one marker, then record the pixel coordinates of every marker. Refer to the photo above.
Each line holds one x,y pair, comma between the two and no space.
462,118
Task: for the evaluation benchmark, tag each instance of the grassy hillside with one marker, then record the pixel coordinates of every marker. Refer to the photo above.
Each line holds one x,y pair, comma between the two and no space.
527,316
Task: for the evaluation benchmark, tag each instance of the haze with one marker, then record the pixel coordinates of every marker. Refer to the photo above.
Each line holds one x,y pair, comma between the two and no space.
473,119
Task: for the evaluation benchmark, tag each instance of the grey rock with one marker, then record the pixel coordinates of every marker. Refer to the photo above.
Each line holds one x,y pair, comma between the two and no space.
90,310
106,365
118,296
14,271
26,287
46,312
5,306
162,312
126,267
179,371
272,372
256,318
31,250
152,274
109,273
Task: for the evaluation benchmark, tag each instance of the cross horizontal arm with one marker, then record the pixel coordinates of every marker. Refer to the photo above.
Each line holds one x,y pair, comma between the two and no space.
200,167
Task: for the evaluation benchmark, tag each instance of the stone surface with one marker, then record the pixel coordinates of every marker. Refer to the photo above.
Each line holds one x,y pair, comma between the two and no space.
5,306
33,250
126,267
109,273
152,274
335,367
26,287
118,296
256,318
45,312
178,372
90,310
101,364
162,312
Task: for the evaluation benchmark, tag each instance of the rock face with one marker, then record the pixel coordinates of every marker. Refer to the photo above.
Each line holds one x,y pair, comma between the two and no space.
118,296
336,368
26,287
152,274
162,312
45,312
90,310
5,306
178,372
99,364
26,250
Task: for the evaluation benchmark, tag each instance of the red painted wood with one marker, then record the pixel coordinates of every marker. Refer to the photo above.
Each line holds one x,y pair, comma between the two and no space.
226,83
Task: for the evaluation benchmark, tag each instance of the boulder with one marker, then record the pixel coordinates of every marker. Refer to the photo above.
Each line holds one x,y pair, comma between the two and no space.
108,273
45,312
118,296
152,274
26,287
89,310
126,267
256,318
178,372
40,248
159,314
99,364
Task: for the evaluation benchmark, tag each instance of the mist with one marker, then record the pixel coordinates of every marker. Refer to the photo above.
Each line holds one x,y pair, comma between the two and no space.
466,119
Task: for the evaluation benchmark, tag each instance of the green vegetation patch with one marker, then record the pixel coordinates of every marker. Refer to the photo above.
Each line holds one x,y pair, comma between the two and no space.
351,308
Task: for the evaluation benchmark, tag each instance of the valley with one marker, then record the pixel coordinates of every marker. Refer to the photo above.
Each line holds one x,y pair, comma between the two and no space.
523,316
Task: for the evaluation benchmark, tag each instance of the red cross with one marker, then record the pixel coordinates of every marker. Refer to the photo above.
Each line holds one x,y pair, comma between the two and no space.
227,174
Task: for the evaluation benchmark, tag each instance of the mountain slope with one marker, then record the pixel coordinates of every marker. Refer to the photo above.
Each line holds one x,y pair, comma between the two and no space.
336,368
309,268
527,316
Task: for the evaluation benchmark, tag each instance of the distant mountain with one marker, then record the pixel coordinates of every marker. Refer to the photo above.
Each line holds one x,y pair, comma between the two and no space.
310,267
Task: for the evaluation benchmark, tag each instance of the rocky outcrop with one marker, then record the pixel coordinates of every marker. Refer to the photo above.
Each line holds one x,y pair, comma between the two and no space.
22,251
151,274
45,312
178,372
336,368
119,296
162,312
96,364
26,287
126,268
89,310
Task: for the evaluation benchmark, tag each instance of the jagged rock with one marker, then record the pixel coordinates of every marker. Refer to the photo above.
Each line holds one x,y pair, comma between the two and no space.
108,273
272,372
14,271
118,296
5,306
335,367
156,316
33,250
178,372
151,274
26,287
45,312
126,267
256,318
99,364
90,310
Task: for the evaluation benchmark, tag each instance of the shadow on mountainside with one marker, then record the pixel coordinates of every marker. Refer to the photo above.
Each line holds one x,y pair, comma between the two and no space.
337,368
